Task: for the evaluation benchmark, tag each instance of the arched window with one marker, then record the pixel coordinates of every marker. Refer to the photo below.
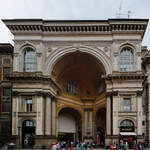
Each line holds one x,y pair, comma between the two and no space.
126,126
29,60
126,60
28,123
127,123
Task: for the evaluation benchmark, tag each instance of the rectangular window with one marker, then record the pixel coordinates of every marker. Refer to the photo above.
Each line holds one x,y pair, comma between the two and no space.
127,104
6,70
5,128
143,123
6,61
29,105
6,92
6,107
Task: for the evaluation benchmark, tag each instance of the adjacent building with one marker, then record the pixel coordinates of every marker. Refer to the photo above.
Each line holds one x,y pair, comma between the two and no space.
79,81
6,59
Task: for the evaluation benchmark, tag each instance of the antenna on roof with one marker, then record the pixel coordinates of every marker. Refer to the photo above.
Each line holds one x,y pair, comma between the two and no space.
120,10
123,15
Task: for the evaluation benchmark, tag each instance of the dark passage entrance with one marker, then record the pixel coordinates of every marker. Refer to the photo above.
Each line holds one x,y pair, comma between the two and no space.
66,137
28,132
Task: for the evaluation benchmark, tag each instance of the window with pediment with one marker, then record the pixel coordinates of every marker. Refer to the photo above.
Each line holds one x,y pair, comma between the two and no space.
126,60
29,60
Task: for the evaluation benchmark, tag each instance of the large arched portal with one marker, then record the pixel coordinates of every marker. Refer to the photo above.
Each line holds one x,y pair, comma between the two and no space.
79,75
69,125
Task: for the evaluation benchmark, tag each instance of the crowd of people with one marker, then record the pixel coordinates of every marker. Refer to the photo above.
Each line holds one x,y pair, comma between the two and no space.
125,146
70,145
88,145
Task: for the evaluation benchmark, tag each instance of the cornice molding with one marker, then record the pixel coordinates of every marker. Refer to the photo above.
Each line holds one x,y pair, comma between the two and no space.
125,76
34,76
77,28
82,27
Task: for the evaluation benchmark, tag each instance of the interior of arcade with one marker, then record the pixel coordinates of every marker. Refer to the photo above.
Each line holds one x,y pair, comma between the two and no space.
81,70
79,75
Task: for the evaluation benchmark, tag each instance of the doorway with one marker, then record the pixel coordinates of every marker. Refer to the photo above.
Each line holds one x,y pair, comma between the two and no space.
28,133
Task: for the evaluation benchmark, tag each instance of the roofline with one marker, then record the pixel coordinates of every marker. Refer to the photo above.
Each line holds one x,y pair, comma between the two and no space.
6,45
42,20
77,26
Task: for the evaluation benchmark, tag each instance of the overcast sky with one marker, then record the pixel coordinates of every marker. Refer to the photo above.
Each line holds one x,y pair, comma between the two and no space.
72,9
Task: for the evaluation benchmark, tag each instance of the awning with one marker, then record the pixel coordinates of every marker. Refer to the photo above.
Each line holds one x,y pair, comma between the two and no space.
128,133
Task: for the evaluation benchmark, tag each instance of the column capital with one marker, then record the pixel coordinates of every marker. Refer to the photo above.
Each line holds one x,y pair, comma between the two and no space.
41,93
88,109
139,93
108,94
113,93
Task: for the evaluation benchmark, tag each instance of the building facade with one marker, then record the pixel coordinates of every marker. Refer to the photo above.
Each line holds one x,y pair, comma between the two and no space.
79,81
6,59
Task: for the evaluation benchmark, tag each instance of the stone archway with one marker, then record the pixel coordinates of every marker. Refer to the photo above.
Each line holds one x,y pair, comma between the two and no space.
97,53
79,75
69,125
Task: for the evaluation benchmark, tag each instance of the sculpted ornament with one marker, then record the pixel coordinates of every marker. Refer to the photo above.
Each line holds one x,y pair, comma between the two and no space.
116,54
39,54
106,49
138,54
17,47
16,54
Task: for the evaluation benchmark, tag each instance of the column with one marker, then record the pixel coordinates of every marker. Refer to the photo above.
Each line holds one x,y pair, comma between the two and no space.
14,110
39,119
16,62
88,120
148,100
108,115
48,116
39,62
148,117
139,113
115,107
54,117
85,123
91,122
17,110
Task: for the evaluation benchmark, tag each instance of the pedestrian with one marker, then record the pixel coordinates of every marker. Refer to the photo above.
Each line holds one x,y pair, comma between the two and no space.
140,146
111,146
11,146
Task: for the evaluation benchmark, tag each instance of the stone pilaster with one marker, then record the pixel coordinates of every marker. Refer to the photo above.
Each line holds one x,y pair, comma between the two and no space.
108,117
88,121
39,62
48,122
39,125
16,62
148,100
54,117
108,120
85,122
148,117
138,61
14,115
139,115
15,110
115,114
